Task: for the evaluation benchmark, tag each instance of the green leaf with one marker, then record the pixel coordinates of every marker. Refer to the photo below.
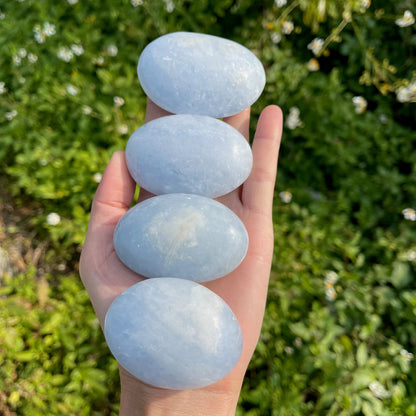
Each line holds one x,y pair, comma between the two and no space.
26,356
401,275
362,354
42,291
367,409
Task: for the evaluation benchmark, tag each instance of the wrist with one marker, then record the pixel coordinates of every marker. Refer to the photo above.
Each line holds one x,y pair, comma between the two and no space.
139,399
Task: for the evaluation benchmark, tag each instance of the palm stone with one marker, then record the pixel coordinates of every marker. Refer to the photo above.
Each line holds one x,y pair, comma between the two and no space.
194,73
181,235
188,154
173,333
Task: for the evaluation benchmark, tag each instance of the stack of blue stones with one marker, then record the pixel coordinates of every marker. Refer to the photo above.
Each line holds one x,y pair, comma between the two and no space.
169,330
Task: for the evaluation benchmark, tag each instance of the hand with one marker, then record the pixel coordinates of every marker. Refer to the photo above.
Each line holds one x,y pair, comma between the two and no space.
244,290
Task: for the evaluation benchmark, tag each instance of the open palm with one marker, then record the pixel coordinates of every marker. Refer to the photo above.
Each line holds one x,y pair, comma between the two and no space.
245,289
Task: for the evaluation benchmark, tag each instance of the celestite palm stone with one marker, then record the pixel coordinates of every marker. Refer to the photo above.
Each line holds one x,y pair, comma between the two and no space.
188,154
194,73
173,333
181,235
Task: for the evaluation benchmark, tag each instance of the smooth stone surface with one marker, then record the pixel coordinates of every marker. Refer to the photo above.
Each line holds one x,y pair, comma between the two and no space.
180,235
194,73
173,333
188,154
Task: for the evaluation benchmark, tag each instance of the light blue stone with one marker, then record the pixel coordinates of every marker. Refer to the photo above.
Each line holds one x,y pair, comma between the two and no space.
173,333
194,73
180,235
188,154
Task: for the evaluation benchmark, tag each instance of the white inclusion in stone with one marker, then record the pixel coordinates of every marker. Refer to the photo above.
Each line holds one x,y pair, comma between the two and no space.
170,233
173,333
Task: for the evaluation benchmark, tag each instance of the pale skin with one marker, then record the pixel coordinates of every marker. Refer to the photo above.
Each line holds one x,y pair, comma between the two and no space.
245,289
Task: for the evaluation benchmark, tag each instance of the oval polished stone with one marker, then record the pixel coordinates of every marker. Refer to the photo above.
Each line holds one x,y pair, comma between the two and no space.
194,73
181,235
173,333
188,154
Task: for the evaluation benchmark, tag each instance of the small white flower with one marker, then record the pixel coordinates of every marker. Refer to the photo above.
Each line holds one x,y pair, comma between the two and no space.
406,94
65,54
316,46
294,111
407,19
123,129
48,29
53,219
16,59
136,3
22,80
97,177
2,16
3,88
289,350
22,52
112,50
409,214
118,101
280,3
169,6
98,61
32,58
360,104
403,94
43,162
72,89
408,356
365,3
313,65
285,196
331,278
287,27
40,37
72,2
86,109
11,115
410,255
276,37
293,120
330,293
298,342
77,49
383,118
378,390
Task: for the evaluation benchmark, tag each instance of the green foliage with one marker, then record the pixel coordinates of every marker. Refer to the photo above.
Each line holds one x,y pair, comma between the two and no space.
339,328
320,354
53,356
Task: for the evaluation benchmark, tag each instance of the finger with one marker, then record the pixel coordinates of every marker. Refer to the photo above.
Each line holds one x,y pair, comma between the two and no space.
240,122
112,199
102,278
258,190
153,111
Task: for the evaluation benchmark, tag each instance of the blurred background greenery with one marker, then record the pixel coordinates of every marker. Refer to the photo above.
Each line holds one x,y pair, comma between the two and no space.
340,327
